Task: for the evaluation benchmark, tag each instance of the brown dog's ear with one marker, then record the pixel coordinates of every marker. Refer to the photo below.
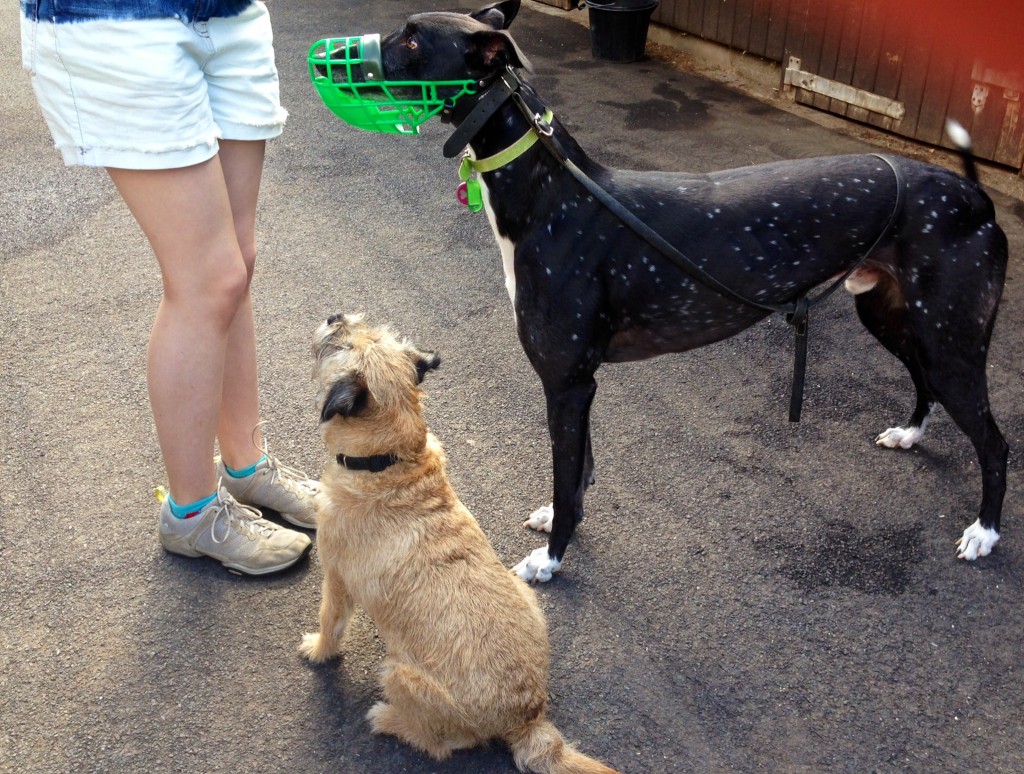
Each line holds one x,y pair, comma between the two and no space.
426,361
496,51
499,15
348,397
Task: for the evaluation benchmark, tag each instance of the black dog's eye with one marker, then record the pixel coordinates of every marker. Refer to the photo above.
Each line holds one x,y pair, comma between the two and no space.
411,44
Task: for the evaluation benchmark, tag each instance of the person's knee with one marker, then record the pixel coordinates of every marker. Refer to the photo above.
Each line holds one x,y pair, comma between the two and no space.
214,294
229,289
249,260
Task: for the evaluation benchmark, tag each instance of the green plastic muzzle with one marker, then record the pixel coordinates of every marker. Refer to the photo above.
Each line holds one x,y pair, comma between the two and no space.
349,76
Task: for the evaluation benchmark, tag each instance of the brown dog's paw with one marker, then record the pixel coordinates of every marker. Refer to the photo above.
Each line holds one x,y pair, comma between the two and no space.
383,719
314,648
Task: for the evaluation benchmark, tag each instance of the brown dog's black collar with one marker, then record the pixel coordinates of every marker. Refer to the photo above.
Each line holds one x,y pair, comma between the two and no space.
374,464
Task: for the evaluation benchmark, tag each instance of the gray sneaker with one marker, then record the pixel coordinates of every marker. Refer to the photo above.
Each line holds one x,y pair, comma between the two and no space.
236,535
286,490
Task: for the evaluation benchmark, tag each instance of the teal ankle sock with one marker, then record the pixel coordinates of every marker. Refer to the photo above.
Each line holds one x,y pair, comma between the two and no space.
190,510
244,471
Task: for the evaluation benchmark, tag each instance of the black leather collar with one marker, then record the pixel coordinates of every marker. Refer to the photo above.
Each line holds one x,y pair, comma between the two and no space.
374,464
496,95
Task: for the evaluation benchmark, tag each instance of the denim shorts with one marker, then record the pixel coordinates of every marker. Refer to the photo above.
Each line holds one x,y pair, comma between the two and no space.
153,93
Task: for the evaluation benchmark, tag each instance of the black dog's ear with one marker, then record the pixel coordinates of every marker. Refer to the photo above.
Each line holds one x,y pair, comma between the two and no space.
496,51
499,15
348,397
426,361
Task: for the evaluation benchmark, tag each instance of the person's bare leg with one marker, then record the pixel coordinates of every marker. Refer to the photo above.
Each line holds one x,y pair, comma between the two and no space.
186,215
238,430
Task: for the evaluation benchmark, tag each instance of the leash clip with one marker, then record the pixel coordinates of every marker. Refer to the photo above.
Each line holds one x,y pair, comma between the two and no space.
798,317
541,126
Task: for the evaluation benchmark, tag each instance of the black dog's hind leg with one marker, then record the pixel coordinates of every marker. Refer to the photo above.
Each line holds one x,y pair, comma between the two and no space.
573,467
962,390
956,381
885,316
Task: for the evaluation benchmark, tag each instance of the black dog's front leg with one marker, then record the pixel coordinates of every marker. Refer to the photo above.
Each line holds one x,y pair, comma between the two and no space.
569,428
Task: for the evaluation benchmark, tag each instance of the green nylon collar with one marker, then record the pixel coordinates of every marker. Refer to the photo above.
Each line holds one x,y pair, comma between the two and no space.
507,156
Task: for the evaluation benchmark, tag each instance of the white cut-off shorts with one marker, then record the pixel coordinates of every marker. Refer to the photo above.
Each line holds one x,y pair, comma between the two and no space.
154,93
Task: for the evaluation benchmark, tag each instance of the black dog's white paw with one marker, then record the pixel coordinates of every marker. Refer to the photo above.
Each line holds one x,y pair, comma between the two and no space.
976,541
538,566
541,519
903,437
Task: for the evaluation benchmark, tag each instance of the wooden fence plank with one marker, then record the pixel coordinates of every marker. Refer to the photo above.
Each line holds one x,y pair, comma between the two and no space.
1010,149
987,126
847,51
759,16
917,58
890,59
869,47
778,21
830,32
695,17
709,23
935,97
743,17
796,30
725,33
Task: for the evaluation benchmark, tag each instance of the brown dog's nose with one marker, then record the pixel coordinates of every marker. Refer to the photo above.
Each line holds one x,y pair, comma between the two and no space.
334,318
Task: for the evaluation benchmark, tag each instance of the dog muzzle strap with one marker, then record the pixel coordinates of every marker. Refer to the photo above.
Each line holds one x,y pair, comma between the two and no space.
493,98
374,464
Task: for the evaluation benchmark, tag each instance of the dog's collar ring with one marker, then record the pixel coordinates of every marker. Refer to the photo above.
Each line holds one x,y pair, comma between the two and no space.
469,190
542,124
374,464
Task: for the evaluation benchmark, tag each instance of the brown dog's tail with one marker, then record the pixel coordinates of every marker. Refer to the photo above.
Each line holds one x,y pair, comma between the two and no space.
962,140
538,747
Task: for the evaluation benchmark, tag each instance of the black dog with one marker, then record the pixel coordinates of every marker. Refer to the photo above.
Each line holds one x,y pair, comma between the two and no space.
919,247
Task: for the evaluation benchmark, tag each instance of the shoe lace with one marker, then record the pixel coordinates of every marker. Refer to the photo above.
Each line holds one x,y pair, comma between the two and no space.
242,519
291,478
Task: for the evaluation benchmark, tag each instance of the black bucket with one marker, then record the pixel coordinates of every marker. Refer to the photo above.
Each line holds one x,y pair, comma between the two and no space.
618,28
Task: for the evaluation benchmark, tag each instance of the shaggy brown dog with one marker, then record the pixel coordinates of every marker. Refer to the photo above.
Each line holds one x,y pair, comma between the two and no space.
467,643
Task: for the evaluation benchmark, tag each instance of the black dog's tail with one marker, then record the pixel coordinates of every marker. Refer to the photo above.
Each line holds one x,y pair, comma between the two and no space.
962,140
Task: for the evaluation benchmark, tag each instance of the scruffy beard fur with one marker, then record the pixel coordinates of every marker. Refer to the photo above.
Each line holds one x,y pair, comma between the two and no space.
467,646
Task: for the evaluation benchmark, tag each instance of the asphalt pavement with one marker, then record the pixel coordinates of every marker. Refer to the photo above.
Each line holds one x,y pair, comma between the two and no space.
745,594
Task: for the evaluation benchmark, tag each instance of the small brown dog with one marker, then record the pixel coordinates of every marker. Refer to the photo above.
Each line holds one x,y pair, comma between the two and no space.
467,643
